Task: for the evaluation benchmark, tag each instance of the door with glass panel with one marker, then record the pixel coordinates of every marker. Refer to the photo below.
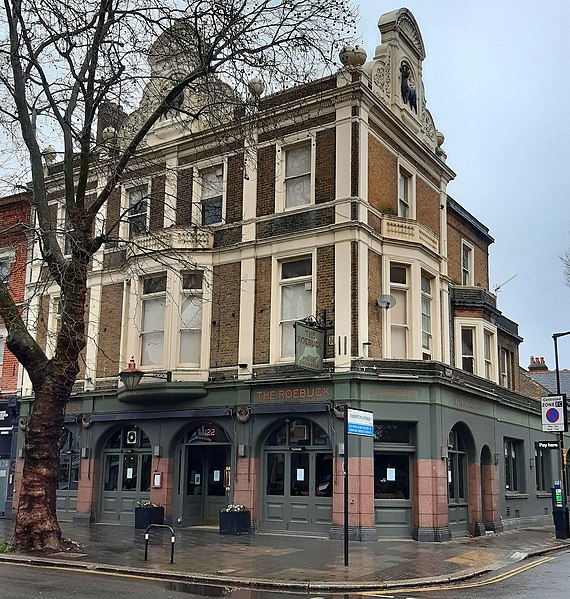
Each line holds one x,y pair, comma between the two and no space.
68,475
457,495
204,475
127,465
298,478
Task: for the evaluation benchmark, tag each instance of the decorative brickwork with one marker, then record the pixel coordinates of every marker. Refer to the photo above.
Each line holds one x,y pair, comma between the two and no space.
296,222
354,159
226,285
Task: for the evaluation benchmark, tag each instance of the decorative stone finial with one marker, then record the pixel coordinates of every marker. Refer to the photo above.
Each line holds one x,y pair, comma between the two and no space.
256,86
352,56
49,155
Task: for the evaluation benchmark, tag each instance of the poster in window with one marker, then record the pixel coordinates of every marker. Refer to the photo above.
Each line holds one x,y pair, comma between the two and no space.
391,474
300,474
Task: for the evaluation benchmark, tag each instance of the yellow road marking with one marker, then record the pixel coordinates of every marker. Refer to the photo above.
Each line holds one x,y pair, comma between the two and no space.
469,585
100,572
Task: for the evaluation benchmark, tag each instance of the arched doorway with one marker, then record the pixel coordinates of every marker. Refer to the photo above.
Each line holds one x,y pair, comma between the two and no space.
297,478
68,474
204,455
457,482
127,466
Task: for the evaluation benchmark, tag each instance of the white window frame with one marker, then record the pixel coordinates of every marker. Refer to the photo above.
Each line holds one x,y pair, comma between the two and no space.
288,143
183,293
514,465
480,329
428,299
278,284
198,169
405,288
505,374
467,274
126,204
147,297
406,170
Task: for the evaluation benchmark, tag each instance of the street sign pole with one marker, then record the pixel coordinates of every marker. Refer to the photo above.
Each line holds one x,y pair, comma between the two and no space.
346,485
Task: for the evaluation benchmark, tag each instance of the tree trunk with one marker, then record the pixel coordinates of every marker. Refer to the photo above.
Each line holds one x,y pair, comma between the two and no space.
36,521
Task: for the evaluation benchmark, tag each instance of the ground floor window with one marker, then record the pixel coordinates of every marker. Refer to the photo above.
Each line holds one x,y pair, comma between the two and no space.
513,451
543,469
68,476
391,476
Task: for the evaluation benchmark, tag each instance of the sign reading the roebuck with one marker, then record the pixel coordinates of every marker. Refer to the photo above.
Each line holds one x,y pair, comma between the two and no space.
309,347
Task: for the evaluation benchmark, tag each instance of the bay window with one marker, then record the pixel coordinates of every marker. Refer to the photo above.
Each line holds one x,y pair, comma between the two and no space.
399,313
426,291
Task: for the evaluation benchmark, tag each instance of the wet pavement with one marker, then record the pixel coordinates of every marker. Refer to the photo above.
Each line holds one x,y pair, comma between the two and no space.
291,562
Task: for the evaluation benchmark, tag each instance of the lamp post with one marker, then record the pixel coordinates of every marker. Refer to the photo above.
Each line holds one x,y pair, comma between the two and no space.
132,376
555,337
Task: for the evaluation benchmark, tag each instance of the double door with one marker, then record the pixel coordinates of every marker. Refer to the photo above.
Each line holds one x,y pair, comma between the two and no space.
126,481
298,491
206,483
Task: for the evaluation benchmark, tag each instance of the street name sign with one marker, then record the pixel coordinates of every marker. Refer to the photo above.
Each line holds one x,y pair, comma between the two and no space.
553,413
360,422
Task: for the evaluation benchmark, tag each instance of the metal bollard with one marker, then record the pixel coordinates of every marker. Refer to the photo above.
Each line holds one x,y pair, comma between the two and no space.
172,540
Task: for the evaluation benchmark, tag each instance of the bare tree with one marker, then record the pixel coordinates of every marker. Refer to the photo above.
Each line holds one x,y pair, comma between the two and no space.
61,62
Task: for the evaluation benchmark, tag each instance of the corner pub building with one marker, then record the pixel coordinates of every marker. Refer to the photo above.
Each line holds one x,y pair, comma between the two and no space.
339,207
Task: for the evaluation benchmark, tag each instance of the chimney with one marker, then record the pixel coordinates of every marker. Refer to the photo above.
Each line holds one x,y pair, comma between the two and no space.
537,365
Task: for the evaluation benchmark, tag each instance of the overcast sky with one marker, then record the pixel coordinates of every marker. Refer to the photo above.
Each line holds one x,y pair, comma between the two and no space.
497,85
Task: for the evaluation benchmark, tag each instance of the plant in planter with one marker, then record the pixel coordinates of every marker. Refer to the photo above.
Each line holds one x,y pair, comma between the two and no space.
147,513
235,520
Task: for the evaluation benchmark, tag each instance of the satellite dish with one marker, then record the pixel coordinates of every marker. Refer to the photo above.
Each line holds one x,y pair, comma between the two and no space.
386,301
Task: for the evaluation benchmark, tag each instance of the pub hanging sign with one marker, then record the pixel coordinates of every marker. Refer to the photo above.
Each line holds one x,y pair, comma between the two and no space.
309,347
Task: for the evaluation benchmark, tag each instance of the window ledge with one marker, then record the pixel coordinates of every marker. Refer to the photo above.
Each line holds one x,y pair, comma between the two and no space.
543,495
516,495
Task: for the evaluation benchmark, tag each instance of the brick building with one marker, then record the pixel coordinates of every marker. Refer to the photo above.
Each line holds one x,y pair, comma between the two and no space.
14,216
335,207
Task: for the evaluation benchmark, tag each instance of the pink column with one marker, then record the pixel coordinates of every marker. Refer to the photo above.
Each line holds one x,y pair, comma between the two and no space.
475,508
246,484
491,498
431,519
164,494
360,492
86,490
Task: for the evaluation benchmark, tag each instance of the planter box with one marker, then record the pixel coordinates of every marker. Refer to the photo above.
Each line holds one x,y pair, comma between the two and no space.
235,523
145,516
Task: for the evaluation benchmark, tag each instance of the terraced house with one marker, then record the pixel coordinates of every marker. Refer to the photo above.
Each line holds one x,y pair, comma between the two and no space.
334,206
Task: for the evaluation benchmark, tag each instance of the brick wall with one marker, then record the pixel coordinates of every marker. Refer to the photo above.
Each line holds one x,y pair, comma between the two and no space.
325,287
355,350
458,230
184,199
354,157
262,319
234,192
427,205
225,315
382,177
157,199
325,166
110,330
113,214
375,314
266,181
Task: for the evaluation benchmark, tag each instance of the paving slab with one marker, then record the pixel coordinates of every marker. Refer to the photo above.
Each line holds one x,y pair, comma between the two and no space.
202,555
